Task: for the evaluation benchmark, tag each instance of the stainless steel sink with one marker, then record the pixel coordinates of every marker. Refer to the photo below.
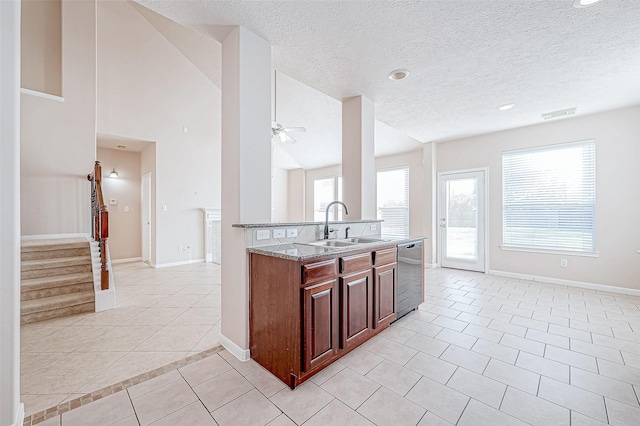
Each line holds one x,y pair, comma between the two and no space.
362,240
330,243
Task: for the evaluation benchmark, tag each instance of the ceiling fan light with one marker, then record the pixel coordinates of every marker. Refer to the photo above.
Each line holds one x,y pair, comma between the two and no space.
584,3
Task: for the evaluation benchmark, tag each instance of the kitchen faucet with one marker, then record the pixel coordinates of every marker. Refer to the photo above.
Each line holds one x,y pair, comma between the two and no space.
326,217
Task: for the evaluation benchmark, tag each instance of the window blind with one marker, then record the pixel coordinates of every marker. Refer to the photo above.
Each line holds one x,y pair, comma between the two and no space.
548,197
393,201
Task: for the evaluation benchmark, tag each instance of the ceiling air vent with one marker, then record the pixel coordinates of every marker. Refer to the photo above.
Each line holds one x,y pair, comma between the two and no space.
559,113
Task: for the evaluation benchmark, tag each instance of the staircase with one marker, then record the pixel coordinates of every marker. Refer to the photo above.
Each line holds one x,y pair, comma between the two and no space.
56,279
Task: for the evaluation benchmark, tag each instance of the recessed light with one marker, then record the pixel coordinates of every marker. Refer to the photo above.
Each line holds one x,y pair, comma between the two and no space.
584,3
506,107
398,74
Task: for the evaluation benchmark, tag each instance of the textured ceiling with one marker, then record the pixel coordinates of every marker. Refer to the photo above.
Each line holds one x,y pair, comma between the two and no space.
298,105
466,57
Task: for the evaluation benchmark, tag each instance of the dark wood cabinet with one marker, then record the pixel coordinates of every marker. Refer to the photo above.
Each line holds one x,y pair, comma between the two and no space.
356,291
384,295
303,315
320,323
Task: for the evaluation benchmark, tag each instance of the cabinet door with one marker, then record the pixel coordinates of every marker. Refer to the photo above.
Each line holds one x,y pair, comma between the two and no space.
320,323
384,294
356,303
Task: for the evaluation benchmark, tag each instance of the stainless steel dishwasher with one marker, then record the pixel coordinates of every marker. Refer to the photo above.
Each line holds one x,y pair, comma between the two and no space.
409,277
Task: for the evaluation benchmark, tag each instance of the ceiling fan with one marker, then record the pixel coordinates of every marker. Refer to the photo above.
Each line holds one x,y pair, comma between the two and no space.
281,132
276,128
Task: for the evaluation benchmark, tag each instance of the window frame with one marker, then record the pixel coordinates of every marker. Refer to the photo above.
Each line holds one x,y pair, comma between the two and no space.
576,251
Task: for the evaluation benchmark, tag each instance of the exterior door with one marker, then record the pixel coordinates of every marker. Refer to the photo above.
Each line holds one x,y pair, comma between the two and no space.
146,217
461,220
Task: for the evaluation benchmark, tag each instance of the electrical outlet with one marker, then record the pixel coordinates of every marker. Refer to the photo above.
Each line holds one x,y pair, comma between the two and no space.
262,234
278,233
373,227
564,263
291,233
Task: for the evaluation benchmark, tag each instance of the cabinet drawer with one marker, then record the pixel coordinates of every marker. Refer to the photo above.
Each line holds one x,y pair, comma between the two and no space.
355,263
383,257
314,272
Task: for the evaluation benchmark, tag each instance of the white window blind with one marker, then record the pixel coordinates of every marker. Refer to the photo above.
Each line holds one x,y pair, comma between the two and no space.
393,201
548,197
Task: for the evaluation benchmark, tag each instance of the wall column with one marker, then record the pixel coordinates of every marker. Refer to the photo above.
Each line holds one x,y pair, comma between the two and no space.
358,157
11,410
246,172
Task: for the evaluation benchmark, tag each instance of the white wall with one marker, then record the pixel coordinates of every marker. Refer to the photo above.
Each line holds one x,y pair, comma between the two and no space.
617,194
41,46
295,197
148,90
11,411
279,195
58,138
125,227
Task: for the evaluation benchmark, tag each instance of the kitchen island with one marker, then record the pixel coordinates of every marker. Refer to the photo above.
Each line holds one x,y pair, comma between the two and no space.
312,304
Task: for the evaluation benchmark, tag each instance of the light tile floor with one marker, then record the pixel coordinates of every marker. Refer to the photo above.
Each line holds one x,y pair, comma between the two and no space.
162,315
482,350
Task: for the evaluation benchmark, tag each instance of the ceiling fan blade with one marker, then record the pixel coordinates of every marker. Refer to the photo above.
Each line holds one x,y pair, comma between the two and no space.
286,138
294,129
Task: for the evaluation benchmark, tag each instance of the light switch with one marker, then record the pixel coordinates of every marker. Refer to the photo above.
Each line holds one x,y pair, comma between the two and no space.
164,207
126,209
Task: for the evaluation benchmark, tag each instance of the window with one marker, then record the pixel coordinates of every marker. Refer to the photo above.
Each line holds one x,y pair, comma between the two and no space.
323,194
324,191
393,201
548,197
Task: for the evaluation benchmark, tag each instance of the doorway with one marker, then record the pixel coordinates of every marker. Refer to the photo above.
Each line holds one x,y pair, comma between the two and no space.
462,219
146,217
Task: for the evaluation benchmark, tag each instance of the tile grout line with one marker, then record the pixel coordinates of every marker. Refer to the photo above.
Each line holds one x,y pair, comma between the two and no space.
64,407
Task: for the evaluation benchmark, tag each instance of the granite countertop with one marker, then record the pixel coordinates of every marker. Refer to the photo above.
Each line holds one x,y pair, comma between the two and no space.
277,225
300,251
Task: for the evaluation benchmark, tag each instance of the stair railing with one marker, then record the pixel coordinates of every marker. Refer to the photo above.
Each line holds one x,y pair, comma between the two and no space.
100,222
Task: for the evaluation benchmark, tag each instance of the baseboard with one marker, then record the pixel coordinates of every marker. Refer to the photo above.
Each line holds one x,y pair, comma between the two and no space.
432,265
52,236
235,350
105,299
128,260
569,283
19,416
186,262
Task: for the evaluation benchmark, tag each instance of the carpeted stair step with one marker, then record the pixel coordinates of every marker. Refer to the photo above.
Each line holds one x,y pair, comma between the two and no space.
56,306
58,266
56,253
36,288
